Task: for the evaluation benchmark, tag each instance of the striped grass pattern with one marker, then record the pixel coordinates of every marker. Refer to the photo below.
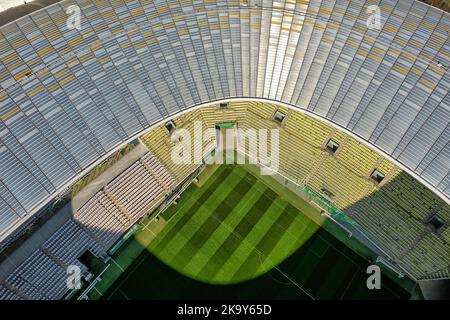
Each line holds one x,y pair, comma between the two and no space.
236,232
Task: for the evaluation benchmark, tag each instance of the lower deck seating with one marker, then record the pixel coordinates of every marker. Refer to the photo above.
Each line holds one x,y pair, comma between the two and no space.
6,294
69,242
99,223
39,277
135,190
124,200
159,142
159,171
426,257
102,218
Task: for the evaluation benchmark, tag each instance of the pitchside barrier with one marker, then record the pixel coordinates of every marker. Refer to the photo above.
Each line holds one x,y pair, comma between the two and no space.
84,295
340,218
179,190
332,210
122,240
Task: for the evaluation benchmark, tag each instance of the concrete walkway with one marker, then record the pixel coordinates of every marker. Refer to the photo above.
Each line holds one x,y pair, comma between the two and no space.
102,180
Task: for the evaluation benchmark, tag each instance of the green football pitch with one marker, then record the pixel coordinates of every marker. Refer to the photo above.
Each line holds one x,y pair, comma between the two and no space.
236,237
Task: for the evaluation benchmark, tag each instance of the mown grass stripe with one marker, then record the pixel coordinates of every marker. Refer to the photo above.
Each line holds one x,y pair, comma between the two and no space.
224,252
335,282
323,267
288,243
181,239
203,212
269,211
300,265
173,228
266,244
212,222
222,232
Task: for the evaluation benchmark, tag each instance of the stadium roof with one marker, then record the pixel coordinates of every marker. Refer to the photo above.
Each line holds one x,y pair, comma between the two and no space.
7,4
71,97
11,10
